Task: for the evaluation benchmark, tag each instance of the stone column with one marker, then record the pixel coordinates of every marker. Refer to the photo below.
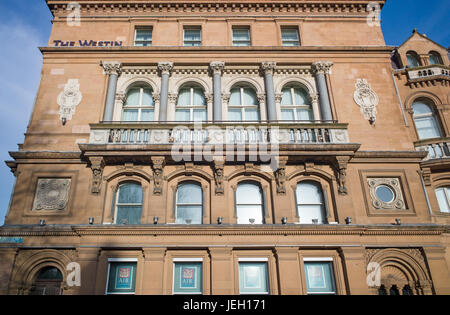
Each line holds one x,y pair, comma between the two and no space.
268,69
153,273
355,269
165,69
222,281
289,271
113,70
320,69
216,68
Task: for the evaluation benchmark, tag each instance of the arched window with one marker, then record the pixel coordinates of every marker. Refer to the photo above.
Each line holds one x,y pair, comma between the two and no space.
243,105
47,282
435,58
191,104
443,197
296,105
139,105
413,59
310,203
425,120
129,204
249,204
189,203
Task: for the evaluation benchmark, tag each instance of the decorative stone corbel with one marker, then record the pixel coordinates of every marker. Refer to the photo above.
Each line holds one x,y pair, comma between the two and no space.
426,175
341,170
219,176
280,176
188,168
97,166
249,169
158,165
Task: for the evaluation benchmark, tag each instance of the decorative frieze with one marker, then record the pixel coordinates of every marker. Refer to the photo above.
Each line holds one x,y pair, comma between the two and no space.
52,194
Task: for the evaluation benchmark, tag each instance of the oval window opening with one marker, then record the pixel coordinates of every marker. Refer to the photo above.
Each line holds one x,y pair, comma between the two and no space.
385,194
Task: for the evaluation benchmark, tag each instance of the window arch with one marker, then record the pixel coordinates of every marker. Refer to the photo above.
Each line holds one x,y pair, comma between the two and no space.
129,199
425,119
191,104
296,104
139,104
413,59
435,58
243,104
47,282
189,203
443,198
311,205
249,203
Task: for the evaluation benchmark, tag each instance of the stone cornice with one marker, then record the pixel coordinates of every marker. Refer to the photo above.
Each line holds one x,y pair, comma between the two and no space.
22,155
120,7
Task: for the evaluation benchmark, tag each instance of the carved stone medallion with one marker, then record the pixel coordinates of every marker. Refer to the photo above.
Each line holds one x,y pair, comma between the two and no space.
52,194
366,99
69,99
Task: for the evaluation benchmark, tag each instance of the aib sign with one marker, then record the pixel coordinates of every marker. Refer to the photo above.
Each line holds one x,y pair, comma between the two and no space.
124,280
188,278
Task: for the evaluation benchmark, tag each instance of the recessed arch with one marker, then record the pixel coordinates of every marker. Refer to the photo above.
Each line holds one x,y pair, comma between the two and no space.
127,173
193,173
239,172
301,82
410,99
247,82
137,81
192,81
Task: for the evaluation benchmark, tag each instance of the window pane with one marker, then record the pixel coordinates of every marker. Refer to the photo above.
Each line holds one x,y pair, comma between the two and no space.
304,114
130,193
308,213
385,194
427,128
412,60
300,97
250,97
235,97
287,114
130,115
287,97
309,193
235,115
421,108
251,114
199,98
442,197
184,97
241,34
189,194
253,278
249,194
192,34
319,278
249,214
189,215
182,115
289,37
147,115
435,59
122,277
147,99
144,34
133,97
187,278
128,214
200,115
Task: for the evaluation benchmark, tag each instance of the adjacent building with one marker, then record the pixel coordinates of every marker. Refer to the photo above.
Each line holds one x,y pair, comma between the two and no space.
231,147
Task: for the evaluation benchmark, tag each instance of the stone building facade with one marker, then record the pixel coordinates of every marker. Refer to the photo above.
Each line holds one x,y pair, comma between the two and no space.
234,147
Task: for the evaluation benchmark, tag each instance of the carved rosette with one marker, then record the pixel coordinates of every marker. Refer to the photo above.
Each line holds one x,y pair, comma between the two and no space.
69,99
97,166
321,67
52,194
158,166
219,176
216,67
268,67
366,99
165,67
112,67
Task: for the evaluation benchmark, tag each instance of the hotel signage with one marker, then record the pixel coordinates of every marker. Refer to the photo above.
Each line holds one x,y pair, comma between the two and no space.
87,43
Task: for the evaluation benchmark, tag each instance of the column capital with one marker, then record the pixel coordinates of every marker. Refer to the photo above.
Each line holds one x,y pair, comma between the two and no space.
216,67
268,67
321,67
165,67
112,67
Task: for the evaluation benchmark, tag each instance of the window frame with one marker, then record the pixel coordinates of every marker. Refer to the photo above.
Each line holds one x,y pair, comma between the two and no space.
446,190
235,43
116,201
416,56
254,260
192,28
294,107
324,205
290,28
437,55
431,116
140,107
262,204
140,28
188,260
189,204
192,107
321,260
108,275
243,107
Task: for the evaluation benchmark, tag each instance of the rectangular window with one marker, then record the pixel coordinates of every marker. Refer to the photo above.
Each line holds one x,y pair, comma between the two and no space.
289,36
192,36
143,37
253,278
241,36
319,277
121,277
187,278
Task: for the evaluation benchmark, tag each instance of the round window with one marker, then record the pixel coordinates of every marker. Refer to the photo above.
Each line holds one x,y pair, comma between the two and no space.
385,193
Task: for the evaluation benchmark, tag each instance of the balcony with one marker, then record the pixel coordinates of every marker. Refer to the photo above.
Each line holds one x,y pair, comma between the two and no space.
428,73
227,133
437,148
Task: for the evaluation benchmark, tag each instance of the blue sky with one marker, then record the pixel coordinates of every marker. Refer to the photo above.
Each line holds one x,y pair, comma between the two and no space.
25,25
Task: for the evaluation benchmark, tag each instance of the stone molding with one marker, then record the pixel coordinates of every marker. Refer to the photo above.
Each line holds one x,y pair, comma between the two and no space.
321,67
165,67
217,67
112,67
268,67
